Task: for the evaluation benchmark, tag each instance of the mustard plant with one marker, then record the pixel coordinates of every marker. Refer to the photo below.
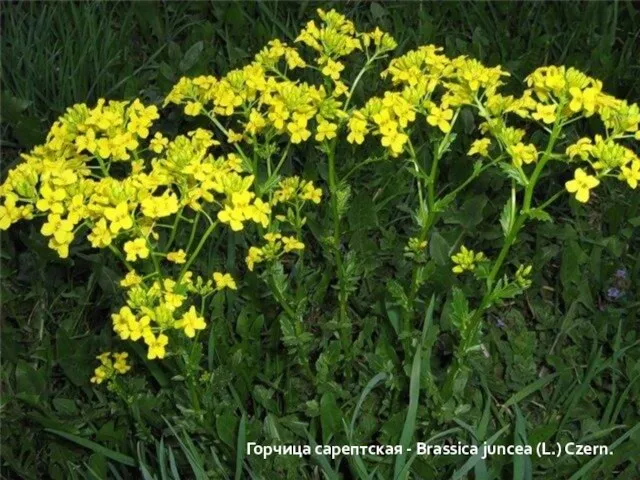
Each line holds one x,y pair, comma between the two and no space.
108,175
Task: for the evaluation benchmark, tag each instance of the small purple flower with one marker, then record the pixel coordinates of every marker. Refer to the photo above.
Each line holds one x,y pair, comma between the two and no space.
613,293
500,323
621,273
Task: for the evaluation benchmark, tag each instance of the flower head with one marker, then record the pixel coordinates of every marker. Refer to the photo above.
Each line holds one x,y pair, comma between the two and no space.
581,184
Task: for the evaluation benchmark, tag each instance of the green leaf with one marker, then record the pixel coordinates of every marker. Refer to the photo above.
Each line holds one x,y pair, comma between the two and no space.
191,56
522,468
529,389
439,249
507,217
241,445
29,380
226,426
249,326
330,416
83,442
514,173
473,460
74,357
470,214
409,428
541,215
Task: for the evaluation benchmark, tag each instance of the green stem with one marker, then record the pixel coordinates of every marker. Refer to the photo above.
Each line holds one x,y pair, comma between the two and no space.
248,163
174,229
272,175
193,256
333,189
416,167
520,219
355,82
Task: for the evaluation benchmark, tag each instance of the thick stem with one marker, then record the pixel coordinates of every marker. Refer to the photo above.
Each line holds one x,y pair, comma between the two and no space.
333,189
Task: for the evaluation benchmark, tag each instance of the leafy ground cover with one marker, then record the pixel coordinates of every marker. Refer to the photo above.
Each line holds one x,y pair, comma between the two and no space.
559,363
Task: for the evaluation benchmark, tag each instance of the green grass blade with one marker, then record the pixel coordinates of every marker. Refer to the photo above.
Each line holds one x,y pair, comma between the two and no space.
107,452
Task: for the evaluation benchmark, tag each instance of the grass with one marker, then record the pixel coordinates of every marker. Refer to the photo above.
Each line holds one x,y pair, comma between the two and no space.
566,359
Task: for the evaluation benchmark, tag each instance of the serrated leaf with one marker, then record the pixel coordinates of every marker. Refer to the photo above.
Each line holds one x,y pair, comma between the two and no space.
506,218
541,215
514,173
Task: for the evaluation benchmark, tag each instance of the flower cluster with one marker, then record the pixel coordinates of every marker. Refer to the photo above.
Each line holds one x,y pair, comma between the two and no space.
111,364
431,85
265,102
277,245
106,173
154,310
466,260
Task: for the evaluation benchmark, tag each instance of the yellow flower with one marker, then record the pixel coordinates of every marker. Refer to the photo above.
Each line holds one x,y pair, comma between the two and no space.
158,207
100,235
480,147
120,362
298,130
631,174
581,185
326,130
156,345
233,137
224,280
234,216
119,217
393,139
291,244
51,199
140,328
582,148
136,248
100,374
440,118
190,322
357,128
584,99
192,108
545,113
309,192
158,143
131,279
260,212
254,256
177,257
332,69
521,153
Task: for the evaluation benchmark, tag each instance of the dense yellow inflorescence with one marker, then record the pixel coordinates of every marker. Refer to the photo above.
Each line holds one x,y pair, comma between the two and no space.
108,174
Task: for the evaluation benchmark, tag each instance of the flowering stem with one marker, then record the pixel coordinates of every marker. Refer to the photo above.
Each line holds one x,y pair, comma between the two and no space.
528,194
215,121
174,229
118,254
333,189
414,160
520,219
194,227
193,256
432,213
355,82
